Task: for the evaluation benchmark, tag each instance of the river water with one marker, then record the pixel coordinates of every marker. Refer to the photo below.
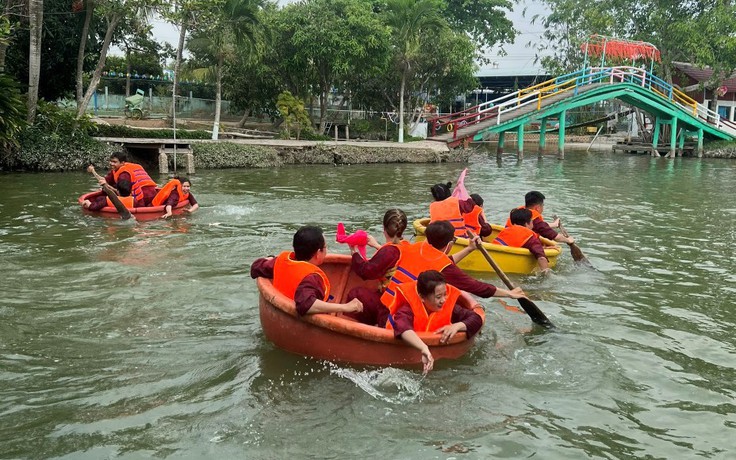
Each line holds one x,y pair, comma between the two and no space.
122,340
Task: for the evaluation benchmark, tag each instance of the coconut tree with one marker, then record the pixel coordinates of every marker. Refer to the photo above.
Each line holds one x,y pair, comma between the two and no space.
412,22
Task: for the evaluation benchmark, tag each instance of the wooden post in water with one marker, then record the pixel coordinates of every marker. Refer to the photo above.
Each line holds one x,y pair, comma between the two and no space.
499,148
542,136
673,138
655,137
163,160
520,142
700,142
561,136
681,140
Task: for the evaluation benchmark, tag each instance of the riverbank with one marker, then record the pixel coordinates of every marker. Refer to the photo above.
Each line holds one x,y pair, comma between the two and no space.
265,153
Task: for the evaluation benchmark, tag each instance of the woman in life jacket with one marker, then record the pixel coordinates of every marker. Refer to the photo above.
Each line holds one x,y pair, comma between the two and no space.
176,191
446,207
380,267
430,305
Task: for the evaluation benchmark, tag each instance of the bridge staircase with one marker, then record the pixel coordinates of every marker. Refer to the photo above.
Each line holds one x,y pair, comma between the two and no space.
553,98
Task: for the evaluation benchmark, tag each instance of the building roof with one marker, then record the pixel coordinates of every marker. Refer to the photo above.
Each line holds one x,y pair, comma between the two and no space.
703,74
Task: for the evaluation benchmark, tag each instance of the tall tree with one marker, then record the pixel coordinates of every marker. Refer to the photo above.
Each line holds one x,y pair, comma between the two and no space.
185,14
355,42
232,24
113,12
412,23
84,38
35,21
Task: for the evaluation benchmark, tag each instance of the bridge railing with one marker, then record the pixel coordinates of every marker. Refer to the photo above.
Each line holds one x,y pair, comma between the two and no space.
574,82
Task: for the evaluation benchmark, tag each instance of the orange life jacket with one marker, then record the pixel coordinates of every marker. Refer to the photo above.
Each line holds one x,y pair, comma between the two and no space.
472,219
415,258
386,278
515,236
288,273
165,192
535,216
127,201
424,321
139,178
448,209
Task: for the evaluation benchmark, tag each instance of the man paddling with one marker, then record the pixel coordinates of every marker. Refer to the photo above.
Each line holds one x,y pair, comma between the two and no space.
534,201
142,187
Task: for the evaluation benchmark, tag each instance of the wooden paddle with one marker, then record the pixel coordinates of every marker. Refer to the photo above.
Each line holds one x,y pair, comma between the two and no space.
112,194
575,251
529,307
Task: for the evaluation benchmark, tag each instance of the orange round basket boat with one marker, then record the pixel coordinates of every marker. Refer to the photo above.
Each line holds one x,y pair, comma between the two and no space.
341,339
147,213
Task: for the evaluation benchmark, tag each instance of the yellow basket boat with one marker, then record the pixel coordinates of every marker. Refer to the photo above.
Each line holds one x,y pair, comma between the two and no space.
511,260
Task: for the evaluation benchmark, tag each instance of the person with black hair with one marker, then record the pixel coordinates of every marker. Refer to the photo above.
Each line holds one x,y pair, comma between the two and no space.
464,215
534,201
432,255
142,187
177,190
380,267
521,235
475,219
429,304
297,274
446,207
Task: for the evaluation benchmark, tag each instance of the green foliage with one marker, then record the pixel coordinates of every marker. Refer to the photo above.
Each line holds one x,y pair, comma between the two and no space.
127,131
230,155
56,141
12,113
60,42
484,21
292,109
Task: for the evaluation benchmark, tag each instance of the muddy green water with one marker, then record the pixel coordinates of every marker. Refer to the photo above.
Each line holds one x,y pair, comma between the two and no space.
135,341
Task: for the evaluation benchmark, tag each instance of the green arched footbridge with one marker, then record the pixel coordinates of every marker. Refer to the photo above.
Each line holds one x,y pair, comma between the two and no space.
553,98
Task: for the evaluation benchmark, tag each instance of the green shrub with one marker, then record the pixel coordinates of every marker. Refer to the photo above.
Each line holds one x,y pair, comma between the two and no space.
127,131
56,141
209,155
12,113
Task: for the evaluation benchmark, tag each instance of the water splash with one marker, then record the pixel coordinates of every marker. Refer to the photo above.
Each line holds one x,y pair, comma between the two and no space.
391,385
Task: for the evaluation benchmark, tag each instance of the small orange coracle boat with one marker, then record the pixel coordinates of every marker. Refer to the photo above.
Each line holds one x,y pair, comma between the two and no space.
147,213
342,339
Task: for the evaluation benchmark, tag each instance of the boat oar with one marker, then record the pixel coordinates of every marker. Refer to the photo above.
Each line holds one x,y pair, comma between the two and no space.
529,307
112,194
575,251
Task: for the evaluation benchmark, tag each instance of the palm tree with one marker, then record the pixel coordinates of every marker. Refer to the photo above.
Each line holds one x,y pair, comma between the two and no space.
411,21
233,24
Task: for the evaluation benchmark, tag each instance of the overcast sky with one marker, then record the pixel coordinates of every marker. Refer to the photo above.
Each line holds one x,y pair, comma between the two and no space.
518,61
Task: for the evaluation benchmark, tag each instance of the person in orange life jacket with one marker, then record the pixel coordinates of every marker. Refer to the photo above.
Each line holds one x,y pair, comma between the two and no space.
521,235
430,304
379,267
446,207
102,201
534,201
297,274
176,190
143,188
432,255
475,220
